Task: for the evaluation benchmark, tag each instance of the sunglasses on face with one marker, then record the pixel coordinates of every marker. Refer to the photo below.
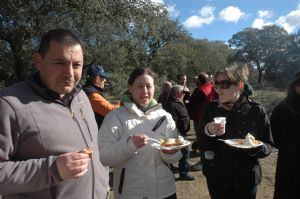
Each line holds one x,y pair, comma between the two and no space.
224,84
297,83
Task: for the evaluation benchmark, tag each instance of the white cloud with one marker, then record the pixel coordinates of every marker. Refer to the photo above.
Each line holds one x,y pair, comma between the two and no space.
264,14
260,23
172,11
206,16
231,14
158,1
291,21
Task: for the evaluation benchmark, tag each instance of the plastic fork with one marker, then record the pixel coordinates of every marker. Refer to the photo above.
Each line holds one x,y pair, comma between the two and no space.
155,140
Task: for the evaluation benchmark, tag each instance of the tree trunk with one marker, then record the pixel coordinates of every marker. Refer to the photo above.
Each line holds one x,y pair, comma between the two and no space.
259,77
18,62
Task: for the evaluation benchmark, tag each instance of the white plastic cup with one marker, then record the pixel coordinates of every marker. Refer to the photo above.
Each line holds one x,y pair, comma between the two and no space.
221,120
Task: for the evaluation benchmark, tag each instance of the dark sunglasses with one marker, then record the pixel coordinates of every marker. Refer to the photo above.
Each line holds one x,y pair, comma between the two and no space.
297,82
224,84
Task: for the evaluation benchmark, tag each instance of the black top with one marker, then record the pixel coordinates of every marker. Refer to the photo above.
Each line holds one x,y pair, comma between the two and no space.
90,89
180,115
285,124
235,166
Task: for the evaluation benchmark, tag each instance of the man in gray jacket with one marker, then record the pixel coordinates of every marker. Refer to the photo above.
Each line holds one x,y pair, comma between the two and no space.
45,123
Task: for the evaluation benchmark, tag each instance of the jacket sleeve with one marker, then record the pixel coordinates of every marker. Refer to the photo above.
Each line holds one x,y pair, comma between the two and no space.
21,176
196,99
278,126
264,135
205,142
100,105
115,147
171,132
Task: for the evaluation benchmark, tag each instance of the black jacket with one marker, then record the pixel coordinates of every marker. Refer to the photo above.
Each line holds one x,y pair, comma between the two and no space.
235,166
90,89
180,115
285,123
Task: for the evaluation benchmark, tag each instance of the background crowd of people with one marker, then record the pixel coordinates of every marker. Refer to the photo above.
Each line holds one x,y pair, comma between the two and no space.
48,120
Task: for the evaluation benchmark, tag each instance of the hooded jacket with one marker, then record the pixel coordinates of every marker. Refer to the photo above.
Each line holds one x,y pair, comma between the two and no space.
35,128
138,173
200,98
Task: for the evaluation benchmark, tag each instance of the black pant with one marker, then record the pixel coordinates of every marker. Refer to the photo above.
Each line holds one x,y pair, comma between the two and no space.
222,191
172,196
184,161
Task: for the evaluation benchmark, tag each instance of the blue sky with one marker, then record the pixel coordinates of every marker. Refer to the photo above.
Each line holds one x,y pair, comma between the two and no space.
220,19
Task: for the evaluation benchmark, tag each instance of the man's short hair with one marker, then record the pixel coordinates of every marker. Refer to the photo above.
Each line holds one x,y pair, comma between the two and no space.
203,78
180,75
62,36
167,83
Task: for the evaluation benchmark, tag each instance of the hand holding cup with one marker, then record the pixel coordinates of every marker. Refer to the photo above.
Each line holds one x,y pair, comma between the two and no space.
218,126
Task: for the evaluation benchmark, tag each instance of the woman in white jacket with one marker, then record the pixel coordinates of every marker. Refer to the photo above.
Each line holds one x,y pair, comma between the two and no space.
140,171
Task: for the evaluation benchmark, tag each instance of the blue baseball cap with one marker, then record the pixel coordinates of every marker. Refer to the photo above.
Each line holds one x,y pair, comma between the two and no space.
96,70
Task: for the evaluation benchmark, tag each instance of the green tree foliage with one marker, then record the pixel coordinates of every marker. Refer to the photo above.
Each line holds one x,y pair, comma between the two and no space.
120,35
291,64
263,48
191,56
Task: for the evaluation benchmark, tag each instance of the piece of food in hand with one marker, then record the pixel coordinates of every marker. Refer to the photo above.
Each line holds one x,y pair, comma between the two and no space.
250,140
87,151
173,141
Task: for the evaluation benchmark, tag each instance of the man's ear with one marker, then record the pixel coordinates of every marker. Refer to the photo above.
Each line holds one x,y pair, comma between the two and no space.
96,80
37,60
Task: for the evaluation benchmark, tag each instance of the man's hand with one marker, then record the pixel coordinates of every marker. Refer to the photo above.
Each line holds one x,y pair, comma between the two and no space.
72,165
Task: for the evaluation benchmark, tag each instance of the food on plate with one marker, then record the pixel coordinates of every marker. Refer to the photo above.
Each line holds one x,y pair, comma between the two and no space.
87,151
248,141
173,141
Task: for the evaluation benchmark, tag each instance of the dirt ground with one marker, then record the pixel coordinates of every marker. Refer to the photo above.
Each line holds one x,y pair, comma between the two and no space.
197,189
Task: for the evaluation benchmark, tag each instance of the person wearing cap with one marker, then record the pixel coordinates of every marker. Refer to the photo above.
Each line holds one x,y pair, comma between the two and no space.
95,83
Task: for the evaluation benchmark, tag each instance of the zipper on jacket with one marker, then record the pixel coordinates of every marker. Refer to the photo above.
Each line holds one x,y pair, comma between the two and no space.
159,122
86,143
121,180
86,123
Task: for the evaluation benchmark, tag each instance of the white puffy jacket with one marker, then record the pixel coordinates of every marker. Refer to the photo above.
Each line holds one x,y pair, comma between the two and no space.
138,173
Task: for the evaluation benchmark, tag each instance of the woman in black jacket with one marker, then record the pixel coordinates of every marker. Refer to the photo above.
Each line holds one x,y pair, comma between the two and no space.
285,124
176,107
233,172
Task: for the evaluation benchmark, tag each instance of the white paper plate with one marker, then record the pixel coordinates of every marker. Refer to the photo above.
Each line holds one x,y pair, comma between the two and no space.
237,143
160,147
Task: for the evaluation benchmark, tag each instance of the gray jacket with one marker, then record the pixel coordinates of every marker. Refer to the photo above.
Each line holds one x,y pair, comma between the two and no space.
34,130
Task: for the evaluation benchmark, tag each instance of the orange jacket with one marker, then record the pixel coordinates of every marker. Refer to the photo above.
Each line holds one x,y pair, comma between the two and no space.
100,105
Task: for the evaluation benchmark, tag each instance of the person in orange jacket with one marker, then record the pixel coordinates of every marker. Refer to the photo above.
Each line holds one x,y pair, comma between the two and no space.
95,83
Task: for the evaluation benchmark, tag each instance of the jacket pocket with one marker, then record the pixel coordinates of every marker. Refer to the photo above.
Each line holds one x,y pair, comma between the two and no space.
121,180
